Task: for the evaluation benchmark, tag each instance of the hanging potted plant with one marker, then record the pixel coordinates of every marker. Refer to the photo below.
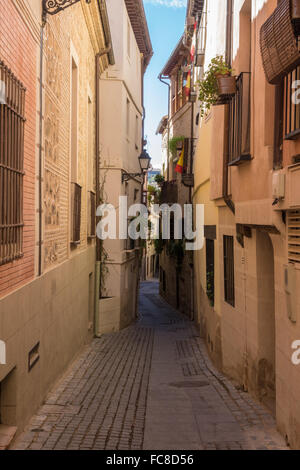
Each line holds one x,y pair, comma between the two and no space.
176,145
217,81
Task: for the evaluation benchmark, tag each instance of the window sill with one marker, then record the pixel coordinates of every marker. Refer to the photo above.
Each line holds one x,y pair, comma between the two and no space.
240,160
292,135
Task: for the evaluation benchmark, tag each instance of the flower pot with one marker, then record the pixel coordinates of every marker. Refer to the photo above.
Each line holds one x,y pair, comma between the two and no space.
226,85
295,9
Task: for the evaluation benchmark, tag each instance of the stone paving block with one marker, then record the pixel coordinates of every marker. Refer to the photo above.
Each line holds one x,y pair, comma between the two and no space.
120,394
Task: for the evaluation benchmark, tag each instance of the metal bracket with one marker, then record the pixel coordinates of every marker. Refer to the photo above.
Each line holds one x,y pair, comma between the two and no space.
130,176
51,7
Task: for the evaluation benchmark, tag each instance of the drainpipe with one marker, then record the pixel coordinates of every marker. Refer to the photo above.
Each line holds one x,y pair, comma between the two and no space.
105,51
40,242
160,78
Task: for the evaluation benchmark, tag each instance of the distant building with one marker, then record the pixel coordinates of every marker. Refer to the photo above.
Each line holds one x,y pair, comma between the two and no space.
176,264
121,140
151,174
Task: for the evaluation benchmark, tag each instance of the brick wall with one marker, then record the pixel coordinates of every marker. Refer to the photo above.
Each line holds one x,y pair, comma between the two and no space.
18,50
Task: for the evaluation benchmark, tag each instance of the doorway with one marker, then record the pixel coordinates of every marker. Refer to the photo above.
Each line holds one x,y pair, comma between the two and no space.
266,367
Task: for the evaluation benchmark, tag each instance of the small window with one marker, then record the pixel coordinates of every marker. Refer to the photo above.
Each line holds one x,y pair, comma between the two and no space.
210,271
136,132
74,122
128,39
127,117
90,146
228,243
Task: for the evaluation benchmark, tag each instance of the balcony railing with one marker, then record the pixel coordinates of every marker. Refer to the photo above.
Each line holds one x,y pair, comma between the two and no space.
239,122
291,108
179,100
169,193
76,191
92,214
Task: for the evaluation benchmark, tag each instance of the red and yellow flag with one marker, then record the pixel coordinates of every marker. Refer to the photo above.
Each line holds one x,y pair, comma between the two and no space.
180,163
188,83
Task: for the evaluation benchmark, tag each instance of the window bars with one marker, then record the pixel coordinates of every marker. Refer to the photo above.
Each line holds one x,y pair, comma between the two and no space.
12,120
228,243
291,108
92,214
76,212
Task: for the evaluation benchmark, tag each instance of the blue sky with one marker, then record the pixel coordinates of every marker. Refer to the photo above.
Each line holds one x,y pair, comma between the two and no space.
166,20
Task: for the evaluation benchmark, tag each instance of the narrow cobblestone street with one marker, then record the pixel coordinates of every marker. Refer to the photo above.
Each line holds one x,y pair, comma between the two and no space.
151,386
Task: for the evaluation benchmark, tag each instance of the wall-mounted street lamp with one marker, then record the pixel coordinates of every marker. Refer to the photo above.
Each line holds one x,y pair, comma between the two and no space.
144,161
51,7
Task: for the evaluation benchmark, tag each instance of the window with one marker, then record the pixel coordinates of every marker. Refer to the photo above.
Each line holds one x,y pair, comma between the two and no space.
127,117
228,246
74,121
210,271
179,90
90,146
92,214
239,122
12,120
291,107
128,39
76,189
136,132
76,213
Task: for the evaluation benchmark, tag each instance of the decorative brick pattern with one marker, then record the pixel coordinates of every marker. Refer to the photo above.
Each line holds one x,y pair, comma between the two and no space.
17,42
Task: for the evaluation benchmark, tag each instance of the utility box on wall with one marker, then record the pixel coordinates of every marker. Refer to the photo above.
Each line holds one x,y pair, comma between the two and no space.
290,283
278,186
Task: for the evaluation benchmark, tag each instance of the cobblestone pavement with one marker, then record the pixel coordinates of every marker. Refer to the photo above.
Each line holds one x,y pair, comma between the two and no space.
151,386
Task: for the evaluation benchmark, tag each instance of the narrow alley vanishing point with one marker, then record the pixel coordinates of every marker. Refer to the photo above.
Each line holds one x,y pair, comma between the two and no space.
150,386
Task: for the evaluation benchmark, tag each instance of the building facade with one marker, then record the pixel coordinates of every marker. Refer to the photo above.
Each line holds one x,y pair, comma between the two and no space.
179,131
121,138
247,176
48,166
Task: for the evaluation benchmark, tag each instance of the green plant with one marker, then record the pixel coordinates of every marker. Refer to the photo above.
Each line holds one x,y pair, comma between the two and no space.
104,271
176,249
159,246
210,287
159,179
173,144
208,86
153,194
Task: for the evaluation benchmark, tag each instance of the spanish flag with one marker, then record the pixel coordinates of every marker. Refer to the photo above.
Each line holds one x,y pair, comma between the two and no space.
180,163
188,84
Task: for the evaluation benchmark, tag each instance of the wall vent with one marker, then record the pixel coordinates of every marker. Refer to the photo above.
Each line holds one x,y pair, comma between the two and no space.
294,236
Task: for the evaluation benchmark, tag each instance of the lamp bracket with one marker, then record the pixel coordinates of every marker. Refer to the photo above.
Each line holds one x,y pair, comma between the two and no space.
51,7
130,176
